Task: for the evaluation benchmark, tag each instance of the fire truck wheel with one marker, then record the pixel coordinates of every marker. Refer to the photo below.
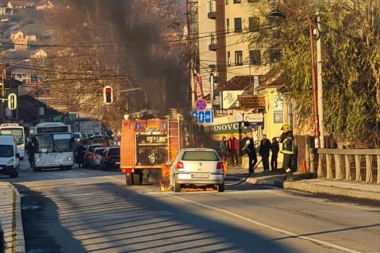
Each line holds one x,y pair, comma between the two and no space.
137,179
129,179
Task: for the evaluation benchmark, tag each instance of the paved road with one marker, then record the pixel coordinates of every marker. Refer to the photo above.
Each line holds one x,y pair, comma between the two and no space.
93,211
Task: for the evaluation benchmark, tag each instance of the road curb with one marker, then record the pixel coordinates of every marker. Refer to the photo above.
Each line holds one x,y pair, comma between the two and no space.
331,190
267,181
19,229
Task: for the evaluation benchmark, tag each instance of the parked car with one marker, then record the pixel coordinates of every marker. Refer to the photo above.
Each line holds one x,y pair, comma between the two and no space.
9,158
198,167
96,157
87,156
111,158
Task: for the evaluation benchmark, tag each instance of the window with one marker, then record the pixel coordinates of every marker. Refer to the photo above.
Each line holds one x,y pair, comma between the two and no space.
254,24
99,151
237,1
212,39
62,143
238,25
274,55
253,1
6,150
114,151
238,58
228,25
255,57
200,156
228,58
226,2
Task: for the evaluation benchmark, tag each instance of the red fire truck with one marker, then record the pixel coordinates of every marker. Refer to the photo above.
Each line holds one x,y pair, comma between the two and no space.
148,142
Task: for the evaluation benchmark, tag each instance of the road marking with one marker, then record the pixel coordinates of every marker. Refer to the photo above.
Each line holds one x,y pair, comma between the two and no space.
323,243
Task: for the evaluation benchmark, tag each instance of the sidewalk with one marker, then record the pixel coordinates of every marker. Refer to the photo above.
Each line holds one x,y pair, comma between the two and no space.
10,218
308,183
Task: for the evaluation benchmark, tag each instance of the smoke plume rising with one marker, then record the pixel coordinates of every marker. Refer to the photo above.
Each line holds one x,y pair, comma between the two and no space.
143,54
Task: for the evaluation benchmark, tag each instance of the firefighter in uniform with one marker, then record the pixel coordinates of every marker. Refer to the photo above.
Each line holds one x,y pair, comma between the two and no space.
287,140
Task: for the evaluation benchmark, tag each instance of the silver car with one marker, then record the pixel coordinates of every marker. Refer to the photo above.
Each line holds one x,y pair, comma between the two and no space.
197,166
96,157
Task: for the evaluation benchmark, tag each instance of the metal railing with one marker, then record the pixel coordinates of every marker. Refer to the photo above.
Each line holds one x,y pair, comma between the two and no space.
359,165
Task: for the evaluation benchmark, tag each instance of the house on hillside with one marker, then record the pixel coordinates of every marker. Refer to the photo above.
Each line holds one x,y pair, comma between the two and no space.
30,37
21,44
45,4
16,34
38,53
3,7
20,4
38,57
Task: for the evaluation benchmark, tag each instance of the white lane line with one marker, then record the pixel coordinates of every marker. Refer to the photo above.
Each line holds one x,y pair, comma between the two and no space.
327,244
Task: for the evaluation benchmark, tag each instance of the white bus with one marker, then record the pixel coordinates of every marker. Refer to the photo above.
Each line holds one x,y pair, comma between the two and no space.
18,134
53,146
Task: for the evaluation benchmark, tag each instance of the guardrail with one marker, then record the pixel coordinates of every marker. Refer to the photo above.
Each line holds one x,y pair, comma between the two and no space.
360,165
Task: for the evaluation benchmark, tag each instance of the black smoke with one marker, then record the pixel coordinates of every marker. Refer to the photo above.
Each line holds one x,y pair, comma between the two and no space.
142,52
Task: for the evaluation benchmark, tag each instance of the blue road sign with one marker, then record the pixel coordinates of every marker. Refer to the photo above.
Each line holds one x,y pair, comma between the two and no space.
204,116
209,116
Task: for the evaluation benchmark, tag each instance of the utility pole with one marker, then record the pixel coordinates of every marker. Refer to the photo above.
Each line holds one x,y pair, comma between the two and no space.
212,86
319,83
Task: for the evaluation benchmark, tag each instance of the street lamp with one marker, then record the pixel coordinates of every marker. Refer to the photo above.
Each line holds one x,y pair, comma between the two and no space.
134,89
4,75
277,16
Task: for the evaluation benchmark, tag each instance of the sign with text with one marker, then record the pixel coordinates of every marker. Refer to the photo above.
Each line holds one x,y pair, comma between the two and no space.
230,99
232,127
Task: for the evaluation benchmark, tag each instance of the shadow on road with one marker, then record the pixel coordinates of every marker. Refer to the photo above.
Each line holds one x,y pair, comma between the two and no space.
42,228
104,217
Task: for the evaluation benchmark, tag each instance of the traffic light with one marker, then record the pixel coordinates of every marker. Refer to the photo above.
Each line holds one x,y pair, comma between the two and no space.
12,101
107,95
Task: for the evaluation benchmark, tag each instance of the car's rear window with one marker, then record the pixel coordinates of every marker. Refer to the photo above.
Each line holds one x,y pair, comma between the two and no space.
99,151
114,151
91,148
200,156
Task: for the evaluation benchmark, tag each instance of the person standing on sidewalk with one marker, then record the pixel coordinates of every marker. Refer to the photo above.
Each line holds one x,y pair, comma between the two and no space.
223,148
287,140
251,152
265,146
275,149
233,147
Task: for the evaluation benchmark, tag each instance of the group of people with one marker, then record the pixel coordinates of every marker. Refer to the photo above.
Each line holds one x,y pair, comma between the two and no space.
251,146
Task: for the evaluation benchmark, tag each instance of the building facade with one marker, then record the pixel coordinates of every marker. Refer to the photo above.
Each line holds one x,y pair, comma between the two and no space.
246,85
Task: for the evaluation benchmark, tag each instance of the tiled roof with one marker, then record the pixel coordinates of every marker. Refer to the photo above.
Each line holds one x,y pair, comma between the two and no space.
236,83
42,2
274,78
28,108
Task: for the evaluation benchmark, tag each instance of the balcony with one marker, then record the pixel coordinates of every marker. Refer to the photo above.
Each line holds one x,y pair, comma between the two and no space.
212,10
213,45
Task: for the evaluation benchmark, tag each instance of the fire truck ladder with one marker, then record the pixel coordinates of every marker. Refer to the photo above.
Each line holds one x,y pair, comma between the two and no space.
174,143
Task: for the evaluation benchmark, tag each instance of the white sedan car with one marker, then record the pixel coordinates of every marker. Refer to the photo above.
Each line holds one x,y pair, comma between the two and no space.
198,167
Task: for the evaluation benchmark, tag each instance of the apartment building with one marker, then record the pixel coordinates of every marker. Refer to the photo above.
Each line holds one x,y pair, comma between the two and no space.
224,48
246,88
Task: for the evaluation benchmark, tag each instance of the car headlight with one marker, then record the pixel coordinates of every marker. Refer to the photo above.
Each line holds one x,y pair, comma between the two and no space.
38,159
69,158
10,162
22,148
